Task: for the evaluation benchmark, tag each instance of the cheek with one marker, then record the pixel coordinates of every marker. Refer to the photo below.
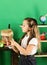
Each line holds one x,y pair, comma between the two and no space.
25,29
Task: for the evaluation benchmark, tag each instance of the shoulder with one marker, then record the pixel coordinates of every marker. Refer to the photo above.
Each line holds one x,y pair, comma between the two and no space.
34,41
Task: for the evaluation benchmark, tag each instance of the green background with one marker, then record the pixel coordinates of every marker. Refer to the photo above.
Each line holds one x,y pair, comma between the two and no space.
13,12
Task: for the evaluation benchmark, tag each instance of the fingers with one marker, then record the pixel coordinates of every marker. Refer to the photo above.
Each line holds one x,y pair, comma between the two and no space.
12,42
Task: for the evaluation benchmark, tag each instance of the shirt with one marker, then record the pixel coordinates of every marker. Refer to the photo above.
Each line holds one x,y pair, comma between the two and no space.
32,41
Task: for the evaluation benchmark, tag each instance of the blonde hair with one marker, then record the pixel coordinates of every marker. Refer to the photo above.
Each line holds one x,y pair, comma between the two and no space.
36,29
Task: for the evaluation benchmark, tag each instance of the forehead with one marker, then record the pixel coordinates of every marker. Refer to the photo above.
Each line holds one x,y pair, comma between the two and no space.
25,22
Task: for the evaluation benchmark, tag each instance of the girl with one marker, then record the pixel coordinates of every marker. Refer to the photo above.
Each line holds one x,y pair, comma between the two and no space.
29,42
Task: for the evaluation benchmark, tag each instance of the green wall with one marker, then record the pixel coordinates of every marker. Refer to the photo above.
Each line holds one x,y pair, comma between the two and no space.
14,11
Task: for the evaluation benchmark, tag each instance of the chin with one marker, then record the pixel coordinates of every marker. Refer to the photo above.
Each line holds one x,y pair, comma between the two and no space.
23,31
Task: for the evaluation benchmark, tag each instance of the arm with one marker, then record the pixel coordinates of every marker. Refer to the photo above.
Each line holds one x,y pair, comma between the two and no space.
21,49
15,49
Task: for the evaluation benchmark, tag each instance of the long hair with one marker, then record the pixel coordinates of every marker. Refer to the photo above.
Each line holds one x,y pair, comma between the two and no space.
34,32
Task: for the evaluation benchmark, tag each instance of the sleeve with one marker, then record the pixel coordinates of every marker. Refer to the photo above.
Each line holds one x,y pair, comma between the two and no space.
33,41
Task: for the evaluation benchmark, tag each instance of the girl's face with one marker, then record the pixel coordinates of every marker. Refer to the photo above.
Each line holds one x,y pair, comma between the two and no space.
25,27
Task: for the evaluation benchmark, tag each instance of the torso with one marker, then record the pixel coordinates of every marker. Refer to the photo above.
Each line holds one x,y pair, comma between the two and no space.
32,41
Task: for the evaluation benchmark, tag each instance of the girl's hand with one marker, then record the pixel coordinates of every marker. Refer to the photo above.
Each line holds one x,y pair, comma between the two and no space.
12,42
14,49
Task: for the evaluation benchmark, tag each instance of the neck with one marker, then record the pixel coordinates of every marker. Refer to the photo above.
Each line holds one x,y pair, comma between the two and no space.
28,33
